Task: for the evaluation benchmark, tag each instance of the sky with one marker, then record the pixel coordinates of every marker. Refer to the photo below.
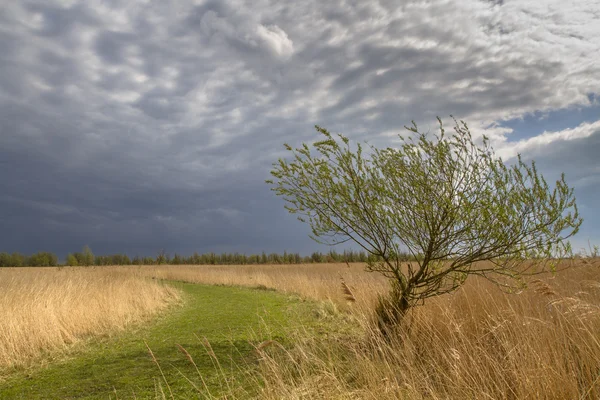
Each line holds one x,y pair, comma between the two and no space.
133,126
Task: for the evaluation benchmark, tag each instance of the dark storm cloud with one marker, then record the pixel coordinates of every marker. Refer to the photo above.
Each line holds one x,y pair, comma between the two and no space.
56,21
110,46
140,125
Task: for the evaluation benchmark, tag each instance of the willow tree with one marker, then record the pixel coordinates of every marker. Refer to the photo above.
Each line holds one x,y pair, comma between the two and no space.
447,200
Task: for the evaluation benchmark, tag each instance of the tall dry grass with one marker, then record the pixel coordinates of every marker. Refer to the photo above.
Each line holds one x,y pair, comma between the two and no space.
476,343
315,281
43,310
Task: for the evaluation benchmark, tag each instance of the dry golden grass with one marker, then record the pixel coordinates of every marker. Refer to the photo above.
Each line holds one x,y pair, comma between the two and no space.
476,343
315,281
43,310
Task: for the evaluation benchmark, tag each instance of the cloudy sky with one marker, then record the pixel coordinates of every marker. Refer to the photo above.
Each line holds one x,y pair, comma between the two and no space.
137,125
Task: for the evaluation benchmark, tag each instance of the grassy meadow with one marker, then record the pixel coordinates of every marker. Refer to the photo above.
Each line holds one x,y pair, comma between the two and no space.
215,327
45,310
475,343
320,282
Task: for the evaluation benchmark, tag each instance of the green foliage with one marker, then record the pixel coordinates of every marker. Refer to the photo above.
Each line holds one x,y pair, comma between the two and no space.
87,257
12,260
149,261
238,259
72,260
18,260
84,258
80,259
136,260
447,201
162,258
113,259
42,259
176,260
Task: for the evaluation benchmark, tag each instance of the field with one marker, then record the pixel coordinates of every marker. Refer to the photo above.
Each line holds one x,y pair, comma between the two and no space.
477,343
314,281
45,309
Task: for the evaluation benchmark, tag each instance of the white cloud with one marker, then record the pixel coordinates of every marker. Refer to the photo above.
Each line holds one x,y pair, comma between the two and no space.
511,149
276,39
270,38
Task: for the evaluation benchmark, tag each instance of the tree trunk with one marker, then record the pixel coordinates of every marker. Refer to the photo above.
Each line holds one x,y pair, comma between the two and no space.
390,311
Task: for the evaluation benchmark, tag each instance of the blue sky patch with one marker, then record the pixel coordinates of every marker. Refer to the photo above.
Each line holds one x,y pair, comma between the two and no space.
553,121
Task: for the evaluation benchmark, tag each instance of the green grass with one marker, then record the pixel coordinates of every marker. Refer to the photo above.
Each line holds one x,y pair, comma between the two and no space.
121,367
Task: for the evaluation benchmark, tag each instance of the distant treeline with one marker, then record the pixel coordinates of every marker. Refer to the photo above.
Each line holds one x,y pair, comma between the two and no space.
87,258
41,259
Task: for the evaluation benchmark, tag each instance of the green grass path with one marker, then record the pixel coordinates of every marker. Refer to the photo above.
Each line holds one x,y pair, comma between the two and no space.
120,367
